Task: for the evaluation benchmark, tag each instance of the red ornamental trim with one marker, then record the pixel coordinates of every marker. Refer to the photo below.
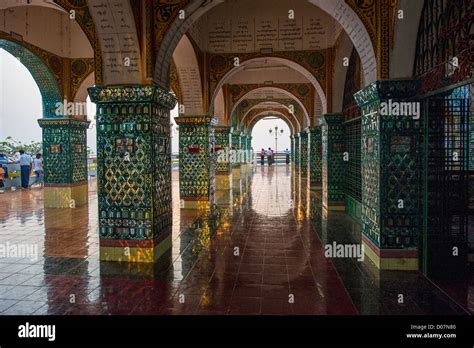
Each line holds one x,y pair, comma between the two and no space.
194,149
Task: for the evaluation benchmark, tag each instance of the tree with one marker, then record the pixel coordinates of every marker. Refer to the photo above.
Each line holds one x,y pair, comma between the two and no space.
10,147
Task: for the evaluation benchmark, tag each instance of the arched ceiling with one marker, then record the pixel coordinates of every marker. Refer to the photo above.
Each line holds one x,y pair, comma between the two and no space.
275,70
45,25
247,26
270,93
248,106
4,4
187,67
266,114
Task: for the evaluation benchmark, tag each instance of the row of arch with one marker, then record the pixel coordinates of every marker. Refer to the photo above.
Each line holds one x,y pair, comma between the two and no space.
176,41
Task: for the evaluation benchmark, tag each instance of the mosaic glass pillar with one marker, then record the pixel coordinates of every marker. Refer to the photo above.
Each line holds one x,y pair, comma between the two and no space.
196,162
65,162
315,157
391,174
332,135
235,155
223,165
297,152
304,153
133,172
243,148
249,149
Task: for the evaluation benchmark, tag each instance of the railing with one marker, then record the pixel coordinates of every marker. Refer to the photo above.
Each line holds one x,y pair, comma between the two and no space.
279,158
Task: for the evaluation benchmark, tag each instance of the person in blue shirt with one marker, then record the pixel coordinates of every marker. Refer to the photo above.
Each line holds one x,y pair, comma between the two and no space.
287,154
25,165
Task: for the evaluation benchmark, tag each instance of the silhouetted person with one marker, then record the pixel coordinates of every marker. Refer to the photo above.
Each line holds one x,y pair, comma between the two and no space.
269,156
262,157
287,154
38,169
25,167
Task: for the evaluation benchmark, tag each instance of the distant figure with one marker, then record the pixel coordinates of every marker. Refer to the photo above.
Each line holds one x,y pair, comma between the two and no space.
287,155
262,157
25,165
269,156
4,162
38,169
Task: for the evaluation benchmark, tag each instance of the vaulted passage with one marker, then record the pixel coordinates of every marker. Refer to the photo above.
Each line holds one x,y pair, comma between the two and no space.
360,201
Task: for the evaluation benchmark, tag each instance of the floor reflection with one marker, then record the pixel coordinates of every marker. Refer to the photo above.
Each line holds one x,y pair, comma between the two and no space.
258,250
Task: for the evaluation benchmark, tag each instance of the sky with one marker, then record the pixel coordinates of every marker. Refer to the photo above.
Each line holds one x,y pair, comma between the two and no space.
20,108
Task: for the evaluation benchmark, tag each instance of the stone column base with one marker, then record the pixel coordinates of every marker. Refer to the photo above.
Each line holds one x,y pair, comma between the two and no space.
66,196
236,174
391,259
194,203
222,181
146,251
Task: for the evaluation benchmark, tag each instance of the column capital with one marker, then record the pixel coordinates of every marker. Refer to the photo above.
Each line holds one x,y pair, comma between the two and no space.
222,129
193,120
63,121
387,89
132,93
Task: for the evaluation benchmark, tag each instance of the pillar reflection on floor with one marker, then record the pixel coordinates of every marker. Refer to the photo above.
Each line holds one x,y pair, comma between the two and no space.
230,259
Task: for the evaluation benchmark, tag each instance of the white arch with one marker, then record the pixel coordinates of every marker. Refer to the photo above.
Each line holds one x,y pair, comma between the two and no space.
353,26
321,102
189,76
119,66
82,94
337,9
272,89
174,34
219,111
276,104
272,113
339,77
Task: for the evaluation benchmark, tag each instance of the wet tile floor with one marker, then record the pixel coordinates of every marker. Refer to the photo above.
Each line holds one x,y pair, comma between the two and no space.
259,251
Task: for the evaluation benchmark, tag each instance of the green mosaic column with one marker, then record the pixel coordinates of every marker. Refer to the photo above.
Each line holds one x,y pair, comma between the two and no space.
315,157
249,149
223,165
235,155
243,148
333,161
391,174
65,162
292,137
196,165
304,153
133,172
297,152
